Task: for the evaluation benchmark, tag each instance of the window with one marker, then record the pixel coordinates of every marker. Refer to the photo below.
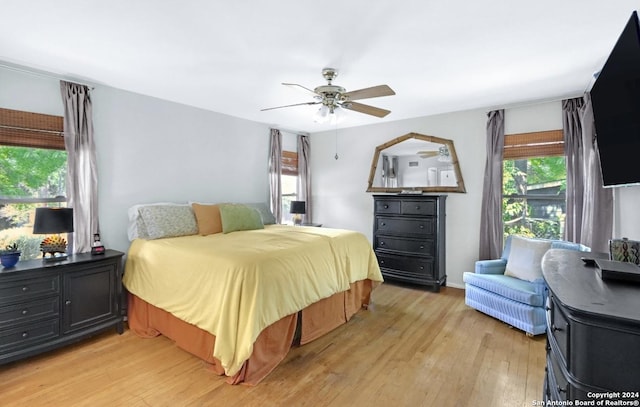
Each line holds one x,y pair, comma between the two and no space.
289,180
33,165
534,184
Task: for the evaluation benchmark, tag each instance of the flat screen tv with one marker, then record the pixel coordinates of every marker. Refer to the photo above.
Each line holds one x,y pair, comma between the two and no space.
615,96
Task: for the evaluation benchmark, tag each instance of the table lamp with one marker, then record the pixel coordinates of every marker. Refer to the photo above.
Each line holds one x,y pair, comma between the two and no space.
298,208
53,221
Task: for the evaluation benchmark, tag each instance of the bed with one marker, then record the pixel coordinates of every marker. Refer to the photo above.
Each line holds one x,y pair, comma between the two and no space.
239,299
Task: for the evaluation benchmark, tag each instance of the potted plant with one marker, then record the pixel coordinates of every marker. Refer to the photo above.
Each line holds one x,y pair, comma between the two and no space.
10,255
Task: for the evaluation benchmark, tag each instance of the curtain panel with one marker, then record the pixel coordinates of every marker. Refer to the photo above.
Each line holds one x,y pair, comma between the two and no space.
275,168
597,212
574,155
491,233
82,174
304,175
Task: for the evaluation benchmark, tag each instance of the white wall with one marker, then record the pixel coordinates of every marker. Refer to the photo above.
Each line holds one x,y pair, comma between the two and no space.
339,185
151,150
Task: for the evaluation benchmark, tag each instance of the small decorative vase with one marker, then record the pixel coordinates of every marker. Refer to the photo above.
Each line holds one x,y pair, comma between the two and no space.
9,259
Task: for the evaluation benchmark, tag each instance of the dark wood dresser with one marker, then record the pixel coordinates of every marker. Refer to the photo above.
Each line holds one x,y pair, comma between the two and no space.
46,305
593,333
409,238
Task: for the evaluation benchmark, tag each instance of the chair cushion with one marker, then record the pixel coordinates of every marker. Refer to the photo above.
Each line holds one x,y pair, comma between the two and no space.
510,287
525,258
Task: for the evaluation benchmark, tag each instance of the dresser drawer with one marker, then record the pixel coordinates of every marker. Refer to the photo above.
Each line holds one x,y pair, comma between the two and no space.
405,226
423,247
30,310
22,290
407,266
424,208
22,336
559,329
390,207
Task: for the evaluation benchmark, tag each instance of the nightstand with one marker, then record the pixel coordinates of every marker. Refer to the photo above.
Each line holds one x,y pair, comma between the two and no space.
46,305
312,224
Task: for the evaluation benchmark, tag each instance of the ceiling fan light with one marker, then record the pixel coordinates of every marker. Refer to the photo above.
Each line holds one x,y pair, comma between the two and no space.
321,115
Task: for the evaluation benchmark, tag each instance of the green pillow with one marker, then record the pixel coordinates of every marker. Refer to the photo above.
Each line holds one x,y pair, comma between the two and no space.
239,217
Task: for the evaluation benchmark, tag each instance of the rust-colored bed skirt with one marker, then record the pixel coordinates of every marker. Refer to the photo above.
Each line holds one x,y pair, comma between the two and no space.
272,344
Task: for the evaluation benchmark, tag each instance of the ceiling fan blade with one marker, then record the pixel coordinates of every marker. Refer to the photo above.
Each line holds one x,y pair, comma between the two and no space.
300,86
373,92
366,109
295,104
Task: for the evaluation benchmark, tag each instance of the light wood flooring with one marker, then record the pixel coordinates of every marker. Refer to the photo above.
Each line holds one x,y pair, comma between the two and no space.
411,348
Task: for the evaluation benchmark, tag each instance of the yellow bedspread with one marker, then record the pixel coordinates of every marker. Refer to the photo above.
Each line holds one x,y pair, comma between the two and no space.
234,285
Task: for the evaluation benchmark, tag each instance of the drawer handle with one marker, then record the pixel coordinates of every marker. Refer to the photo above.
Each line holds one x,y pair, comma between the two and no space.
25,289
381,243
417,207
421,226
421,247
25,334
386,207
67,302
421,267
561,390
554,328
381,261
25,311
382,224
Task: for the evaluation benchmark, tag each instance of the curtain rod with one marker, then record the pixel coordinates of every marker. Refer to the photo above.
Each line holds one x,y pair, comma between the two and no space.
43,74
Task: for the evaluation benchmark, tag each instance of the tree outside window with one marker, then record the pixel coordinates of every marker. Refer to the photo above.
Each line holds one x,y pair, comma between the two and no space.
33,166
534,185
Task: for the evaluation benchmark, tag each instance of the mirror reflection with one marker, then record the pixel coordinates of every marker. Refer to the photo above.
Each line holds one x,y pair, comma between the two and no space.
416,163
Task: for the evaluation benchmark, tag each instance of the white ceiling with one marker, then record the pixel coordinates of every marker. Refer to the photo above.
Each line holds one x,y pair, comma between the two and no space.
231,57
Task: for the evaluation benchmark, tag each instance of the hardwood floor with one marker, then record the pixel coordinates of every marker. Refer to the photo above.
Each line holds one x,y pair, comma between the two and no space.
411,348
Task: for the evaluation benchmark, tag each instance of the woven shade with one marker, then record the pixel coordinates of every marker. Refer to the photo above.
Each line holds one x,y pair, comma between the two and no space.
536,144
289,163
27,129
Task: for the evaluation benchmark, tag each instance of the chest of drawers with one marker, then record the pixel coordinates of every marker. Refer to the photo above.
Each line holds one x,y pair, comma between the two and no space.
593,333
409,238
47,305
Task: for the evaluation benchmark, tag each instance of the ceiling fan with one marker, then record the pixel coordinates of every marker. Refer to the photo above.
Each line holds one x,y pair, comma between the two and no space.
332,96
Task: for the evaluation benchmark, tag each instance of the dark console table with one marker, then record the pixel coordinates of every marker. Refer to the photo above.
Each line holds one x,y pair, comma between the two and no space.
593,332
46,305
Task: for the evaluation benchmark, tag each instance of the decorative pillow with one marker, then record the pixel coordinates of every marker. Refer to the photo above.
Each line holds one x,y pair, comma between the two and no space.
168,220
137,228
207,218
239,217
265,212
525,258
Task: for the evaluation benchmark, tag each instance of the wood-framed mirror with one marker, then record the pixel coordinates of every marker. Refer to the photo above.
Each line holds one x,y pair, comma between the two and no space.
416,163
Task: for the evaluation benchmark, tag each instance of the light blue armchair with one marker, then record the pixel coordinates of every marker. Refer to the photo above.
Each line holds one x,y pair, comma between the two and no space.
519,303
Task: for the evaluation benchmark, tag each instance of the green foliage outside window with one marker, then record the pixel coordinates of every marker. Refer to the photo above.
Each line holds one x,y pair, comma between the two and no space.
31,174
533,197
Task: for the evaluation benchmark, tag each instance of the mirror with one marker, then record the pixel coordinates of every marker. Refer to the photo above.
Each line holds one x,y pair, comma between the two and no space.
416,163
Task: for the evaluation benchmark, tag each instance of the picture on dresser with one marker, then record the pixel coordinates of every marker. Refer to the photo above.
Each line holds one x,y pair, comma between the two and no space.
416,163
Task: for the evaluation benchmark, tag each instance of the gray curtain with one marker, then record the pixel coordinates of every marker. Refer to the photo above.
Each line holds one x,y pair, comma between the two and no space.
491,234
574,154
597,212
275,167
304,175
82,175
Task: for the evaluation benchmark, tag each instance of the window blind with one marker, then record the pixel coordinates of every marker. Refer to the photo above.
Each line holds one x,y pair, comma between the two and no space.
27,129
535,144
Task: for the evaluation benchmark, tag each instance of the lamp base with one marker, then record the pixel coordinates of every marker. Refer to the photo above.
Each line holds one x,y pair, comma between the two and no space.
297,219
50,257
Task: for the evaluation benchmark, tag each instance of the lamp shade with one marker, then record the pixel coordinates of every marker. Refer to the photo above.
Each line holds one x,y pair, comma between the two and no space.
53,220
298,207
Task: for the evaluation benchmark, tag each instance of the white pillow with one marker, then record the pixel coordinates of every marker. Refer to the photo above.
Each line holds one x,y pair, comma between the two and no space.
525,258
